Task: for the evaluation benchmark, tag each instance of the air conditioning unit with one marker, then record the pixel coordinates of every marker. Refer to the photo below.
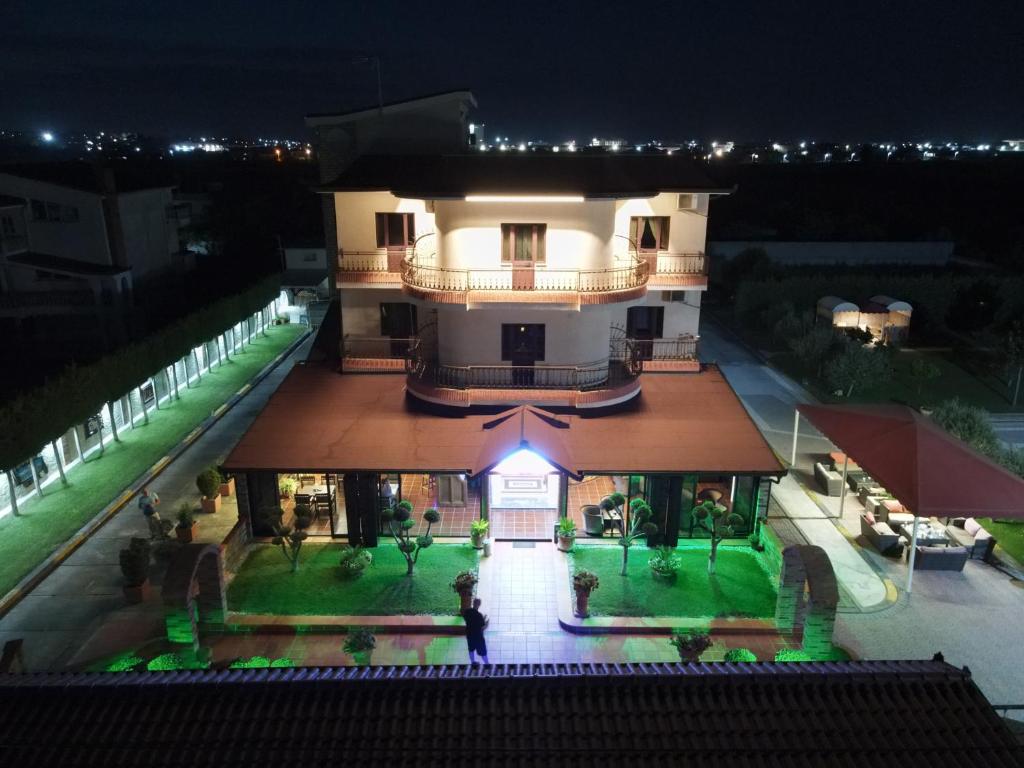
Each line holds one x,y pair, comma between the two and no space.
686,202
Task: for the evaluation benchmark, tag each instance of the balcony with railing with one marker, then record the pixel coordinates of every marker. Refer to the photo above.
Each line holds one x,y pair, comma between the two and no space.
678,355
511,283
674,270
382,266
378,354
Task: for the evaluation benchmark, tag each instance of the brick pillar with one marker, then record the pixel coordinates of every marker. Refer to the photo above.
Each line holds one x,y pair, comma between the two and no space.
210,579
818,627
181,624
242,495
792,582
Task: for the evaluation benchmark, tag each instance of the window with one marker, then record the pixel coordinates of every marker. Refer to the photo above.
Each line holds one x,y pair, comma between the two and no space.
649,233
645,322
38,210
44,211
523,243
521,342
686,202
8,225
674,296
311,256
395,230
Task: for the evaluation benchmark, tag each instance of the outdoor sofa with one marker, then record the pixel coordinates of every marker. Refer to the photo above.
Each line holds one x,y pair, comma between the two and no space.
940,558
831,482
968,533
881,537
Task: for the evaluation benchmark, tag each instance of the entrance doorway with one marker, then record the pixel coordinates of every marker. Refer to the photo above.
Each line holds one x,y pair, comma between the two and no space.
644,324
524,492
523,345
398,322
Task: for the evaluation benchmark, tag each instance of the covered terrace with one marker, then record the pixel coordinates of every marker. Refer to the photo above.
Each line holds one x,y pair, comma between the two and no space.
684,435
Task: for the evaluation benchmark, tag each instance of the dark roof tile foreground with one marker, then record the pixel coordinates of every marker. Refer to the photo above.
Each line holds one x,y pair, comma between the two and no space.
887,714
594,176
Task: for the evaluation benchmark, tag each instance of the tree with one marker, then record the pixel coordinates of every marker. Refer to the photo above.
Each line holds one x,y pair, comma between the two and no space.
968,423
923,370
637,526
812,348
1012,353
718,522
289,538
856,366
400,524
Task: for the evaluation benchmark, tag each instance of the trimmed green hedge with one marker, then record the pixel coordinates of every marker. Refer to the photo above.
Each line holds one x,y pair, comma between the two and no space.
35,418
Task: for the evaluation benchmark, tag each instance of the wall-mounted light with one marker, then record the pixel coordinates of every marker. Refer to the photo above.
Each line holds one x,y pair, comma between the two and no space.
524,198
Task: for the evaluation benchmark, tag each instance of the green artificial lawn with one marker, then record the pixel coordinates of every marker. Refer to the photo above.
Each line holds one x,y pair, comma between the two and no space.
954,381
740,588
265,583
1009,536
46,523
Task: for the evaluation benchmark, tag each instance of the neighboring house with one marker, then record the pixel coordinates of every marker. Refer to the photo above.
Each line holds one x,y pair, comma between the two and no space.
478,287
80,241
304,283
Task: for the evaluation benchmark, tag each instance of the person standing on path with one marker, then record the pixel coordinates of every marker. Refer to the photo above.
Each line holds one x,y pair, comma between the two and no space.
148,502
476,622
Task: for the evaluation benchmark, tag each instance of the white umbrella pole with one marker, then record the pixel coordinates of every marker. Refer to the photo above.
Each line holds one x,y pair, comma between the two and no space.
796,432
910,559
842,493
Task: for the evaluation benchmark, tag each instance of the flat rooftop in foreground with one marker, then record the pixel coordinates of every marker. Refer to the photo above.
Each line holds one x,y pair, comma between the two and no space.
319,420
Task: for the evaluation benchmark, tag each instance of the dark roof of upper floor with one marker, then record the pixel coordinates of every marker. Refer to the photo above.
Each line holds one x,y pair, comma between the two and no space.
89,177
612,175
875,713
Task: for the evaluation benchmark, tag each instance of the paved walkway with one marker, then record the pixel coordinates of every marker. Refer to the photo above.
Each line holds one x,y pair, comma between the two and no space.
85,591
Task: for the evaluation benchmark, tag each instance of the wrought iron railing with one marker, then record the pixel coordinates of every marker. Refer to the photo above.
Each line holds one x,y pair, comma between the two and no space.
509,278
379,260
680,348
669,263
600,375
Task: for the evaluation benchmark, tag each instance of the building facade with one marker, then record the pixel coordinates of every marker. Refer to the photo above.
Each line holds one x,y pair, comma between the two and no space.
519,341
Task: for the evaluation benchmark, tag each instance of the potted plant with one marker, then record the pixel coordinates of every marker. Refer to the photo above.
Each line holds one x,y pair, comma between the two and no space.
354,561
135,569
566,533
208,483
359,645
287,486
478,532
186,527
463,585
584,582
227,485
691,645
664,564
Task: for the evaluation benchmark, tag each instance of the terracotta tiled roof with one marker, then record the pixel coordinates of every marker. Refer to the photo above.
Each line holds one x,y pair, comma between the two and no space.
320,421
882,713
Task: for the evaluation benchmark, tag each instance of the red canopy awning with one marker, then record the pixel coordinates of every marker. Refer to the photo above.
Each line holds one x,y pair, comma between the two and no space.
931,472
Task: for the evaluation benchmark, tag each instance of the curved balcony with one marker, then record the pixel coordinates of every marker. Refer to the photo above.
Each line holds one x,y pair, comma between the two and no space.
674,270
602,383
381,266
533,284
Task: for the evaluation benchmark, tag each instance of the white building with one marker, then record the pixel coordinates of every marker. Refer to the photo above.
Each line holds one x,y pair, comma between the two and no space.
560,274
81,239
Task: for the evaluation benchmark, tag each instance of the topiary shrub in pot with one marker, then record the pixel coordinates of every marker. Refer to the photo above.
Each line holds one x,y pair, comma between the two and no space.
287,486
208,482
135,569
227,485
359,644
354,561
478,532
584,582
463,585
185,530
566,533
690,645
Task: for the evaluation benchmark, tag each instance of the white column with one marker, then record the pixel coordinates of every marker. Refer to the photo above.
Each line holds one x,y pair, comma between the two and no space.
796,432
910,558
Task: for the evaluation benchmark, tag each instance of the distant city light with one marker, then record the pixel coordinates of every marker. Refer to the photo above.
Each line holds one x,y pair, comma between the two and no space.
46,136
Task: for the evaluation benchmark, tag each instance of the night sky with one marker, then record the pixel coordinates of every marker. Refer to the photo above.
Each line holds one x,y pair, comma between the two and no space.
553,70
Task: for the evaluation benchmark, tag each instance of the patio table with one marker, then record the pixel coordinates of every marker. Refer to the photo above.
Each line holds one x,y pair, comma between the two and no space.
929,534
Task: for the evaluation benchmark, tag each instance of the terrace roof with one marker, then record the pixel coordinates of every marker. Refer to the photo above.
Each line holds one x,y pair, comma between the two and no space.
321,421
